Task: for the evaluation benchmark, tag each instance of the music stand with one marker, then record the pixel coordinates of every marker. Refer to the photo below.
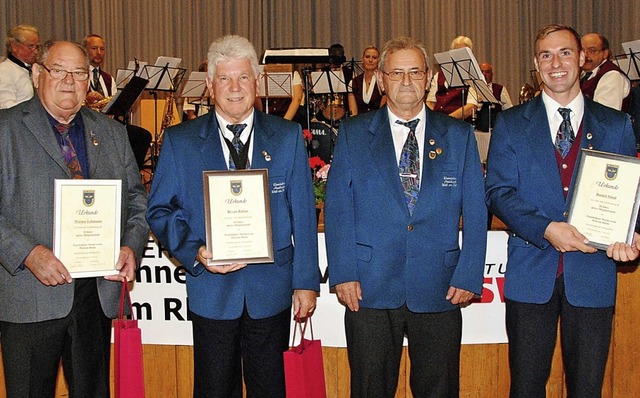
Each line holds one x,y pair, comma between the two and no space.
195,90
329,82
629,62
461,70
165,76
275,81
123,100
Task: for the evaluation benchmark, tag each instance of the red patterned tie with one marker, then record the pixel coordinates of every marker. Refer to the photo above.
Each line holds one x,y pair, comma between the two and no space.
69,152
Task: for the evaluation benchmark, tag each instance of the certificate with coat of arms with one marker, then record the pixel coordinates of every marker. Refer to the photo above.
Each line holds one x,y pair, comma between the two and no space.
238,216
86,227
605,200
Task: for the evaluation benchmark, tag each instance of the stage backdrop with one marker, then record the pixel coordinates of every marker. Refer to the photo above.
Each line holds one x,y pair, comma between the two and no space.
160,301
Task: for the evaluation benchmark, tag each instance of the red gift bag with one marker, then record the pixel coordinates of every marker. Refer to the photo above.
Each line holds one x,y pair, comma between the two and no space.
128,365
303,370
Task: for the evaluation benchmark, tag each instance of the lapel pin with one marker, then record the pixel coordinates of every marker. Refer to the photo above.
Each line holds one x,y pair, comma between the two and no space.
432,155
94,140
590,146
438,151
589,136
432,141
267,157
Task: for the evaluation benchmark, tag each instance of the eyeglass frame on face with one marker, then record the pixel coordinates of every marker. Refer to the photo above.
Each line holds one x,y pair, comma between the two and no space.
592,51
398,75
74,74
31,47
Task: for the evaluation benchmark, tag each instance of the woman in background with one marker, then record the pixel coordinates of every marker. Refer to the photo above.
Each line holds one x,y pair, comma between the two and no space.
364,93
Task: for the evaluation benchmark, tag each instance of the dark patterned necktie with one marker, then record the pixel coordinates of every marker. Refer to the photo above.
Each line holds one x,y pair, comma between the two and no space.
68,151
409,165
237,130
585,77
565,135
96,86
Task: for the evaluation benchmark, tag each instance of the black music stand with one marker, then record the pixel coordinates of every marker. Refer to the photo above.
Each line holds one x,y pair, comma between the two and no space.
195,90
629,62
461,70
166,77
276,81
329,82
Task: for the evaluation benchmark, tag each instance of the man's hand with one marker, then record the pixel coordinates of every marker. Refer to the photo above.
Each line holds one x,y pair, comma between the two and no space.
126,265
566,238
204,254
304,303
46,267
458,296
349,294
623,252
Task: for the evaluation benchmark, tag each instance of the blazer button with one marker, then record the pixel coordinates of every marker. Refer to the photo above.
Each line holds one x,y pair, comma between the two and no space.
565,214
409,228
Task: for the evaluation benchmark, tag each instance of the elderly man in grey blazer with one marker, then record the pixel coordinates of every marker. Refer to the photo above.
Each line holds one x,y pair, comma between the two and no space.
45,314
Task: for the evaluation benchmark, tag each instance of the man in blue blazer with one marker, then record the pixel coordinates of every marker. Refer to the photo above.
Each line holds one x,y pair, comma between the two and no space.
240,312
395,261
551,272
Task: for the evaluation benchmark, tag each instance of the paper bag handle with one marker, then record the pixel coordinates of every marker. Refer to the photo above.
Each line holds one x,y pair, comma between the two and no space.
124,293
303,329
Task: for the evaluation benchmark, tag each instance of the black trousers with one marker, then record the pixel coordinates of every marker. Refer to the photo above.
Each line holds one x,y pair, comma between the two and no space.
585,334
225,350
31,352
374,344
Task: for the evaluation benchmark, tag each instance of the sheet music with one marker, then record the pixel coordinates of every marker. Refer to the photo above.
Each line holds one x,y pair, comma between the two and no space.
296,52
320,82
195,86
275,84
630,62
124,75
459,66
159,80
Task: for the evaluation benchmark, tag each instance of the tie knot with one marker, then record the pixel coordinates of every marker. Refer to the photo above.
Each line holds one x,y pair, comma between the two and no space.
412,124
95,72
63,128
236,129
566,113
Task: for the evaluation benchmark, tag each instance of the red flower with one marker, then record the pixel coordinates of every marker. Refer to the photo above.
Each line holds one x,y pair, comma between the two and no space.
315,162
306,134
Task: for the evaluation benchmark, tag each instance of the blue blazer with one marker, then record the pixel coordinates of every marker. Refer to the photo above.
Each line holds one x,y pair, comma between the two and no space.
524,190
176,216
372,239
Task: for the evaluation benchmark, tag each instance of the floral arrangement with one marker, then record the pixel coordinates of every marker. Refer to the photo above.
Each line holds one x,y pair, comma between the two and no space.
320,172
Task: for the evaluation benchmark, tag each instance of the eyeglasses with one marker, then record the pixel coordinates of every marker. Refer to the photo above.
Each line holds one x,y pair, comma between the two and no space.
61,74
592,51
397,75
30,46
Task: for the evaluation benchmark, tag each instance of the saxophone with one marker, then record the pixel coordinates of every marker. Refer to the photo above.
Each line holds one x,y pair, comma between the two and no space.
167,116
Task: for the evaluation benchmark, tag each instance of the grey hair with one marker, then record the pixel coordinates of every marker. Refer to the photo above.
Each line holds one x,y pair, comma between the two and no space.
16,35
228,48
43,54
402,43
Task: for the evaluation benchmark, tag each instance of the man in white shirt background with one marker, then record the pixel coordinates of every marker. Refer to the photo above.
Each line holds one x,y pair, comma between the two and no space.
22,43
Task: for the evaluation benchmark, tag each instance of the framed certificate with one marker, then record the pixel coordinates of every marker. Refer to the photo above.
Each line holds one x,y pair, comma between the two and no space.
86,227
605,200
238,216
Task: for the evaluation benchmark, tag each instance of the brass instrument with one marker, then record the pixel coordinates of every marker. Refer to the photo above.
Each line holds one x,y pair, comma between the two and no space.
98,105
527,92
169,110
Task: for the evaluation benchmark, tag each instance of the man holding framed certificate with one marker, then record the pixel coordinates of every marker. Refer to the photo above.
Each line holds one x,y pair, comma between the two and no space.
240,295
553,271
45,314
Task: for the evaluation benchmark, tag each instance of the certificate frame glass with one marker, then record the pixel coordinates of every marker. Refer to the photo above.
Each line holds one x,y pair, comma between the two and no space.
86,227
606,197
238,216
